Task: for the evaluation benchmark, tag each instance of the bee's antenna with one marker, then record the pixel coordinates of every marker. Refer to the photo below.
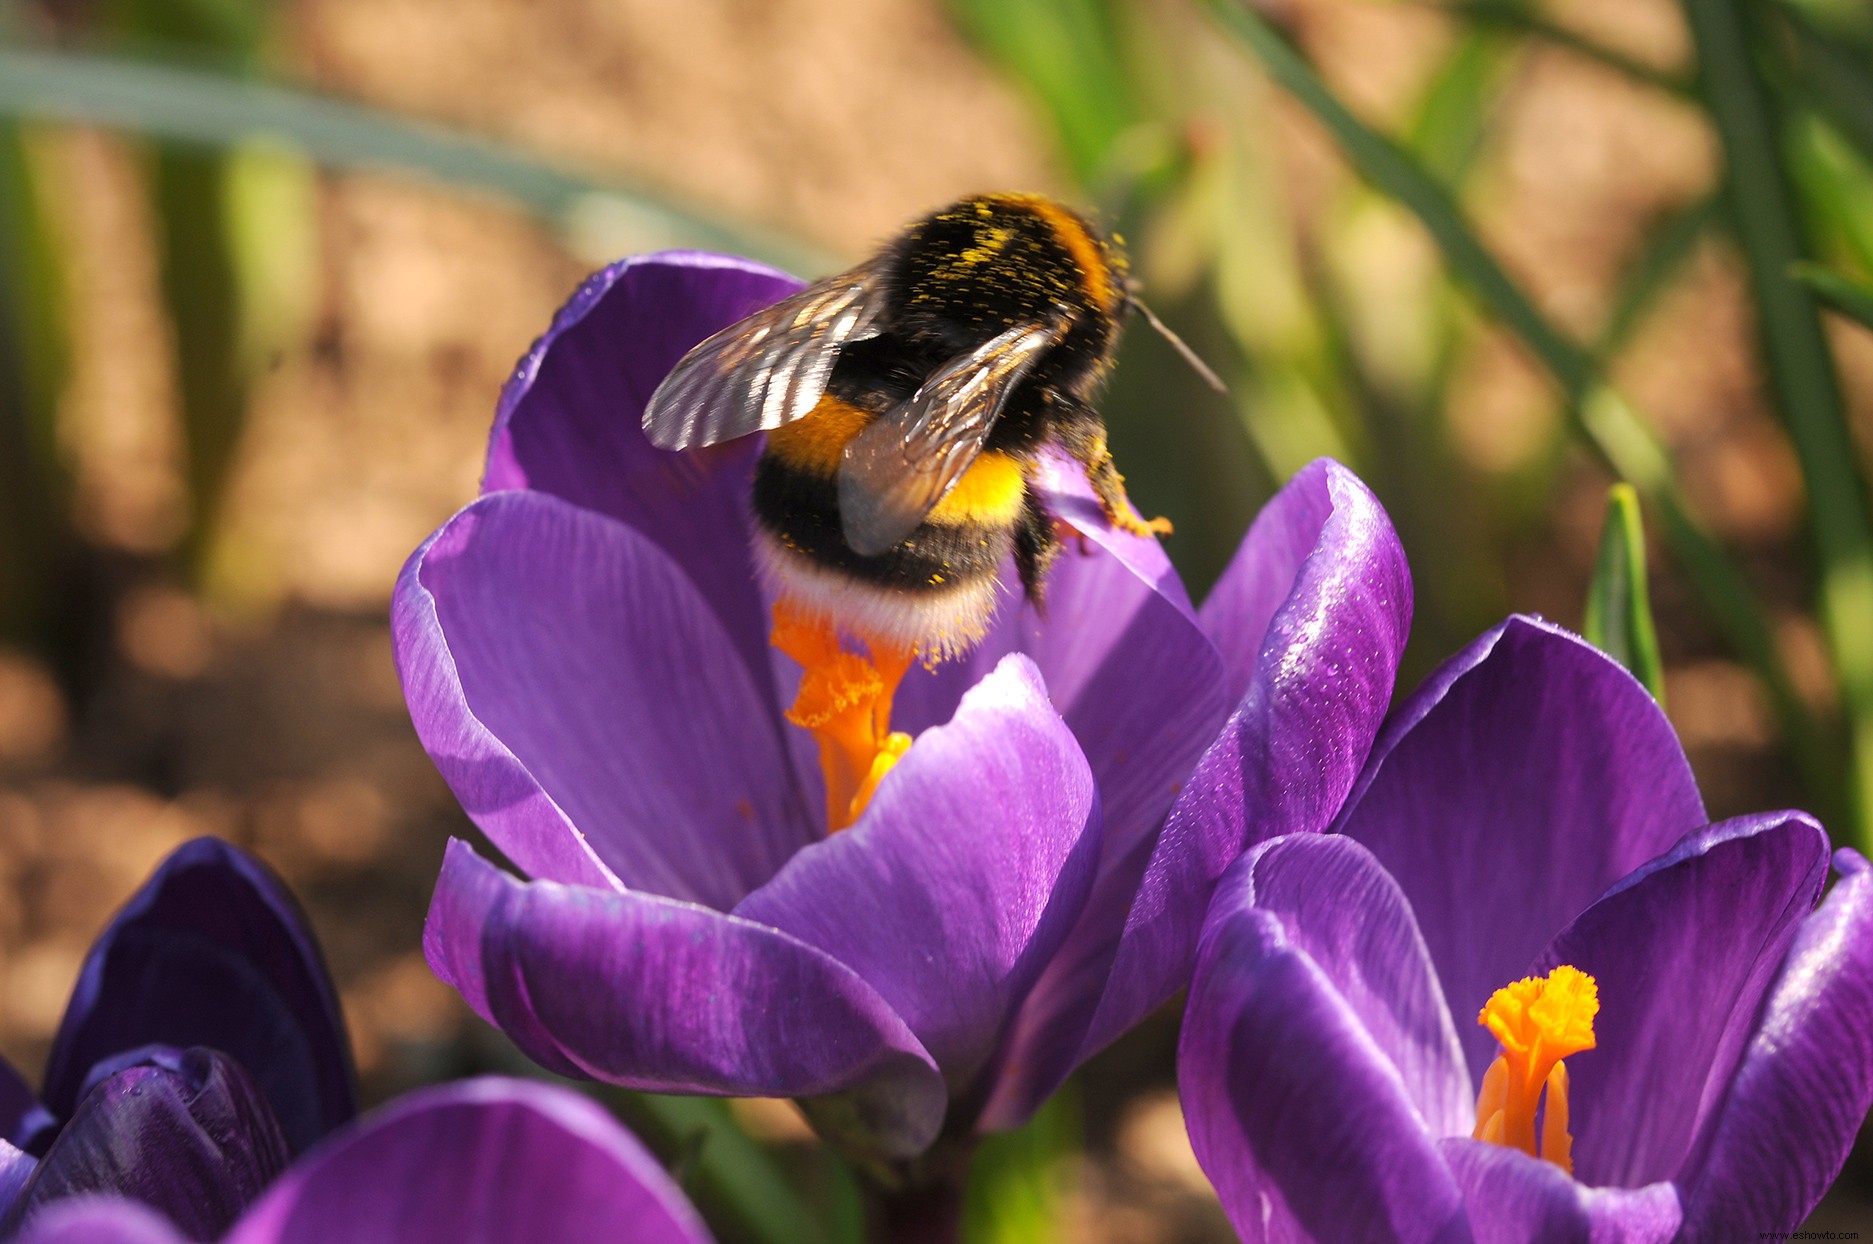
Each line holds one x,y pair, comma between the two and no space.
1177,343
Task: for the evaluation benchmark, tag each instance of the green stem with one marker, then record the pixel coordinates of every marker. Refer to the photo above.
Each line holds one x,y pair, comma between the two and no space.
1600,414
1801,371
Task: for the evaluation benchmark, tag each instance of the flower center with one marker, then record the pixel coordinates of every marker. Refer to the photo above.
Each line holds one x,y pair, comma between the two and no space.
1538,1022
845,701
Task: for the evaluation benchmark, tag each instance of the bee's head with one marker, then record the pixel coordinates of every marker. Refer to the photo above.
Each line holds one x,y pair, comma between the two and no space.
1005,259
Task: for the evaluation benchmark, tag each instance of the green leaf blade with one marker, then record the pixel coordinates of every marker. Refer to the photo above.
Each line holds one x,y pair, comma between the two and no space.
1619,607
1017,1180
1601,415
1852,298
217,111
1800,368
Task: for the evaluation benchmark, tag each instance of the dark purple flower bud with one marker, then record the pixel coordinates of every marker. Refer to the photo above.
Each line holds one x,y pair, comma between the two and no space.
185,1132
213,951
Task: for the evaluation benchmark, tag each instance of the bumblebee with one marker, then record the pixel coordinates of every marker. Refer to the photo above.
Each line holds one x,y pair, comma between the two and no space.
907,401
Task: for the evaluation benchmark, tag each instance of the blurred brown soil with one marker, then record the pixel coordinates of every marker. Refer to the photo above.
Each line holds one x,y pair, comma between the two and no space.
272,716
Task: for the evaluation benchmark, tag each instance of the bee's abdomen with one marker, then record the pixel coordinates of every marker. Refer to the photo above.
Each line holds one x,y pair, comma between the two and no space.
933,590
800,509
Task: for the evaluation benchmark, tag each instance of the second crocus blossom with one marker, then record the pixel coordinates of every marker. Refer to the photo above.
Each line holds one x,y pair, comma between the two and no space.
1527,820
585,653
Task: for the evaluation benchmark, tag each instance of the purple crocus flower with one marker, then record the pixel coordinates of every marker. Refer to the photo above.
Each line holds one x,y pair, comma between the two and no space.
201,1049
585,654
1529,808
490,1161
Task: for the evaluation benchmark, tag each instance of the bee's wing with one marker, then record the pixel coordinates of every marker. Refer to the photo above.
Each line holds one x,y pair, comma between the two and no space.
904,461
768,369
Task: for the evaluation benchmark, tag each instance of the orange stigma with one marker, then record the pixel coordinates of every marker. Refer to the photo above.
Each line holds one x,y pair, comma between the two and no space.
845,701
1539,1023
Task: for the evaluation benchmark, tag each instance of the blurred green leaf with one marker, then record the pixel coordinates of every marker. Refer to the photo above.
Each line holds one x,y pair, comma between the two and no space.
1847,22
1381,161
1604,417
1834,186
1833,71
600,216
1018,1179
1453,115
1853,299
1517,17
202,295
212,310
746,1193
1619,607
1667,245
37,544
240,24
1069,53
33,293
1801,371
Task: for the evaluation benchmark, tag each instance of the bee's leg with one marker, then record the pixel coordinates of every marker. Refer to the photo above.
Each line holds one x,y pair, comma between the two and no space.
1078,429
1036,546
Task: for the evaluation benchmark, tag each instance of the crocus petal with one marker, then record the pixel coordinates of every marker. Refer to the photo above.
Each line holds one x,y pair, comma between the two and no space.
671,997
585,705
193,1138
1119,646
1296,1115
1543,773
16,1167
964,875
1805,1082
570,421
1683,950
22,1118
213,951
1516,1199
489,1161
100,1220
1287,756
1339,908
1260,576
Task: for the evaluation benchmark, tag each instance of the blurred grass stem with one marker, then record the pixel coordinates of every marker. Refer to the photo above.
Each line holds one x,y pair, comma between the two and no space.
1514,16
1604,417
1801,371
217,111
1851,298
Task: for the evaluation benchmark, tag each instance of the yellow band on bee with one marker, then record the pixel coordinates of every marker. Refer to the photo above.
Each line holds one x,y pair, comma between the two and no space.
816,443
989,493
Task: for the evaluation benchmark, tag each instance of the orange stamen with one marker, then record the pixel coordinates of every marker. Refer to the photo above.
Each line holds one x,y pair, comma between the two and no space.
1539,1023
845,701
